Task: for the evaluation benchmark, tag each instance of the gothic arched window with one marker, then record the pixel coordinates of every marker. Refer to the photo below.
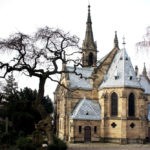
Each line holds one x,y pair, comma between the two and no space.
90,59
131,105
114,104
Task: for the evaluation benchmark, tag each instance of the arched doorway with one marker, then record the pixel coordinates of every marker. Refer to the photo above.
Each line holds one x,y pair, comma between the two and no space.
87,134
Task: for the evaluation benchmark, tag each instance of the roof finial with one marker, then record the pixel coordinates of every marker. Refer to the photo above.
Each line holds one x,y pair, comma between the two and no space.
136,70
144,70
64,61
124,43
89,8
116,40
89,15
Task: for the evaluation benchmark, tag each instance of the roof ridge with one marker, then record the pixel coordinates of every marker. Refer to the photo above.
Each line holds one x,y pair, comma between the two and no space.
124,65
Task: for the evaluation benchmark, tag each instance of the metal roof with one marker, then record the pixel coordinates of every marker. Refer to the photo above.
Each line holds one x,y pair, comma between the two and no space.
87,110
121,72
75,81
145,84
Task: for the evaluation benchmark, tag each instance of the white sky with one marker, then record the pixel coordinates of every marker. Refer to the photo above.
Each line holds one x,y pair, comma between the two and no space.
129,17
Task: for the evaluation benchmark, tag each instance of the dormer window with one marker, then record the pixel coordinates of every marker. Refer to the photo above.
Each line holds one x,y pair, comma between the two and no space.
126,58
121,58
116,75
130,77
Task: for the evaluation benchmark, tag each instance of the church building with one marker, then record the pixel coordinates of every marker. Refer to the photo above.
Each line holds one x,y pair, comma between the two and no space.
111,103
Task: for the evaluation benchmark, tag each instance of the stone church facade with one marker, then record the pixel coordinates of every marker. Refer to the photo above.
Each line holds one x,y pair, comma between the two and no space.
111,105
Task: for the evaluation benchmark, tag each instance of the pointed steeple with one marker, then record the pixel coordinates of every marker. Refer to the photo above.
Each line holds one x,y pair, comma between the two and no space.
89,40
116,43
89,47
144,71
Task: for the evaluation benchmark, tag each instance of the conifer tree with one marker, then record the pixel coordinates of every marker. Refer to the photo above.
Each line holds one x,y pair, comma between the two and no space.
11,85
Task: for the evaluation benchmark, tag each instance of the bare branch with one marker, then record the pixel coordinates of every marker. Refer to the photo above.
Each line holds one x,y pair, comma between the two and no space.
40,55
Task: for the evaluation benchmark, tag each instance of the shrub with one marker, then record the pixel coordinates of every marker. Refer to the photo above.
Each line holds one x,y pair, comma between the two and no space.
24,143
57,144
7,138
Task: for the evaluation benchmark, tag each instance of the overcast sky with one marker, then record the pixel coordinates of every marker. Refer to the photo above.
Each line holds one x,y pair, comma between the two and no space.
129,17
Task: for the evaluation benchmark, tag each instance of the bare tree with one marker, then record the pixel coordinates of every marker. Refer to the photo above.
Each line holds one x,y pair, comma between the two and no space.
39,55
145,43
143,47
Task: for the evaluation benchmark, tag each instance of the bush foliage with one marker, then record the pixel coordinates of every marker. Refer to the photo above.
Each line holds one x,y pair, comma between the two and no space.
57,144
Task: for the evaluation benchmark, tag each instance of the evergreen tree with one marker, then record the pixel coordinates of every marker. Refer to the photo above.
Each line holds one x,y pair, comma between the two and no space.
21,112
11,85
48,105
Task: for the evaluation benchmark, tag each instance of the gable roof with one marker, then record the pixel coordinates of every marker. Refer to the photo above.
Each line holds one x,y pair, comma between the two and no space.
75,81
121,72
86,110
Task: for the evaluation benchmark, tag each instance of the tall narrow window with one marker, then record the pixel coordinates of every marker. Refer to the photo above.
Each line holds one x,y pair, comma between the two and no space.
114,104
80,129
90,61
95,129
131,105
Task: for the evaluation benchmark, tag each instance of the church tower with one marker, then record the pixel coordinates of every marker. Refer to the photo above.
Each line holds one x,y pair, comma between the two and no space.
89,47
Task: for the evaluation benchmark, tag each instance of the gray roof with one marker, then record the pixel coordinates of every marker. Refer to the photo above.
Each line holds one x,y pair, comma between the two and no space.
121,72
145,84
87,110
75,81
102,59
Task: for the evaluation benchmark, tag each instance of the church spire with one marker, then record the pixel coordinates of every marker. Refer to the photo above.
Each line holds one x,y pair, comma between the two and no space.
89,47
116,43
89,33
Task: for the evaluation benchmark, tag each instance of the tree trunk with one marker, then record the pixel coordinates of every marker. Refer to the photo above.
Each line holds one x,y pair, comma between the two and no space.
40,96
41,89
45,123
